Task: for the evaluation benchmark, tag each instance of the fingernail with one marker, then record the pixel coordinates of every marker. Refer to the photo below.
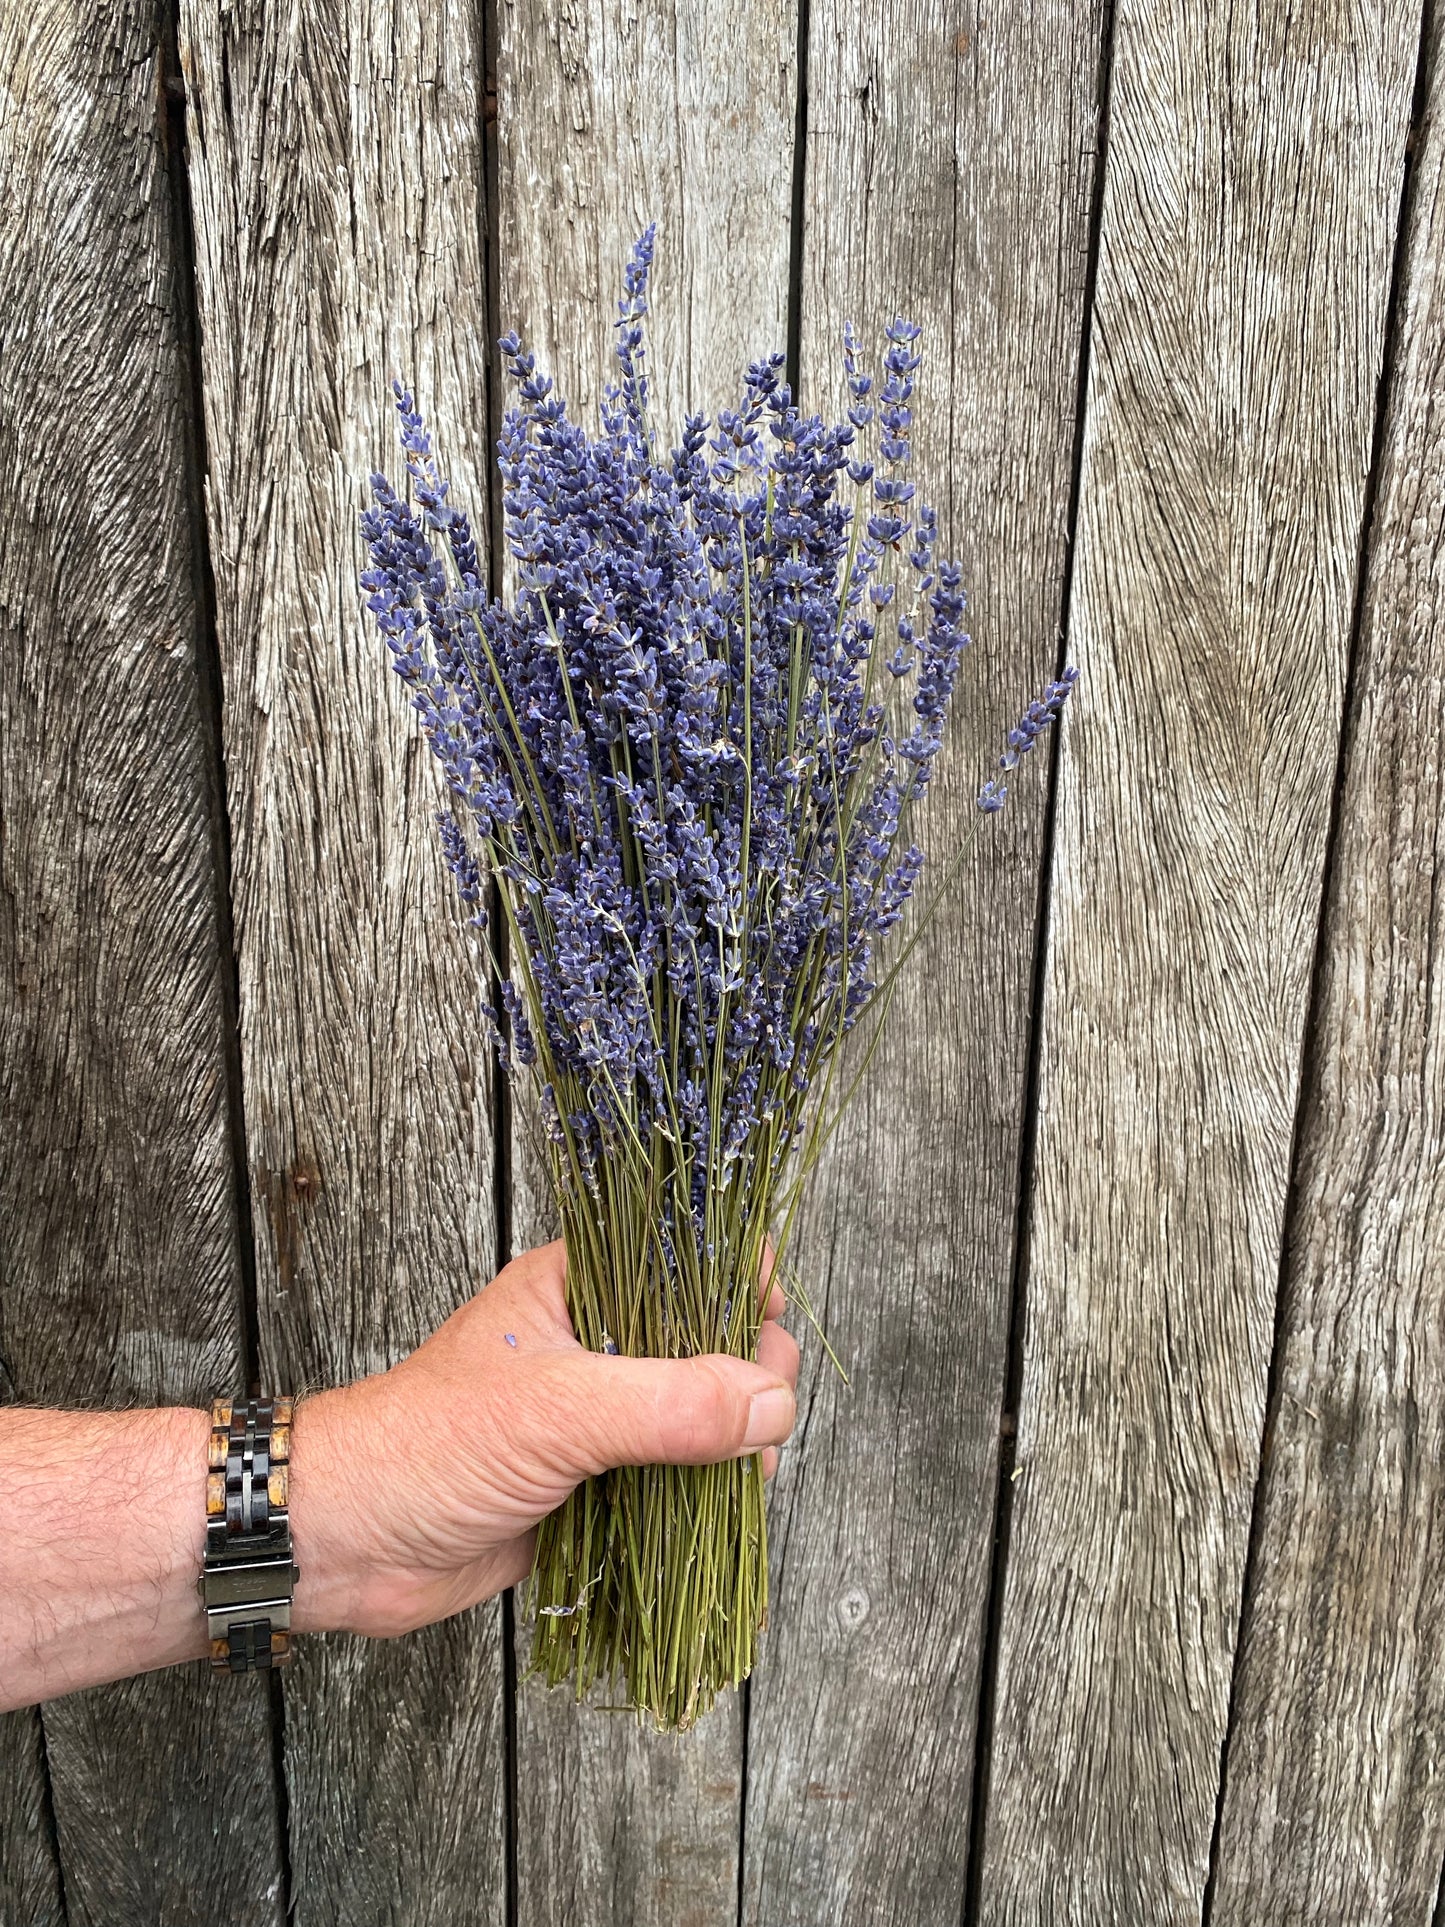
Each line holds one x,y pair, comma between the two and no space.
770,1417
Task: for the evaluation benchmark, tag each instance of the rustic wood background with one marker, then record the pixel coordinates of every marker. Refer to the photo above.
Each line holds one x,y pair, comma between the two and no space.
1113,1590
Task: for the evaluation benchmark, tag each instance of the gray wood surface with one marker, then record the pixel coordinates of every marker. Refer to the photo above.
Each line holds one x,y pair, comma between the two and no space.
338,179
29,1871
610,116
121,1277
336,174
948,178
1248,224
1335,1781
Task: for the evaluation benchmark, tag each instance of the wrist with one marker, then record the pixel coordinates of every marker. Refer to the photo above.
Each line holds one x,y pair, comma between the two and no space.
332,1502
361,1571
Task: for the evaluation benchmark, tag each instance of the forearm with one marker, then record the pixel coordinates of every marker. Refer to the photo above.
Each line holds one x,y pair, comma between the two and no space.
104,1522
102,1531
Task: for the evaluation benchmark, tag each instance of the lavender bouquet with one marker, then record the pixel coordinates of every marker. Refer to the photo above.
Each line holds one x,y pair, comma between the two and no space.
687,754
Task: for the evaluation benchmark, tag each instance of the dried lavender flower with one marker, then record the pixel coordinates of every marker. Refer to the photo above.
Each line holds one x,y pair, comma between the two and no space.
1025,733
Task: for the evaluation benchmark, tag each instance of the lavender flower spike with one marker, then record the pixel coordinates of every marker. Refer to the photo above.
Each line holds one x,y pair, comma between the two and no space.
1021,739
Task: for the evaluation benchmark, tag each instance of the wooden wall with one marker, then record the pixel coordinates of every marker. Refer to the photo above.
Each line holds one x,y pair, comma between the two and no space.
1111,1590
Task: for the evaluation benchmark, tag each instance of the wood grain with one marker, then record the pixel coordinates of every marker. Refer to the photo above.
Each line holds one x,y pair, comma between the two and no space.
1253,181
1248,224
949,172
611,115
29,1871
121,1277
336,178
1335,1782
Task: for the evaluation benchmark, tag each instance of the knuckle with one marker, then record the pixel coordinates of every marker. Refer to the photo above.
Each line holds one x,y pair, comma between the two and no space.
716,1414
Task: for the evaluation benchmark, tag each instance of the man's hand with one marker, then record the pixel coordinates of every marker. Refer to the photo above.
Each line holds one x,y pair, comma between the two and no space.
417,1492
413,1494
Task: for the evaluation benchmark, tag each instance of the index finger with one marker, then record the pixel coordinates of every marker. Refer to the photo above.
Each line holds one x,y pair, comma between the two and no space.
774,1303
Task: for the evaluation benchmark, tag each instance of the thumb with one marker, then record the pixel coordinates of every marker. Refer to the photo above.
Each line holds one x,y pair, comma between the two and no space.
675,1411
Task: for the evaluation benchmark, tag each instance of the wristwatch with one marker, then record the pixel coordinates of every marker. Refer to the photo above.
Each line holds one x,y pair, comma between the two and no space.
249,1576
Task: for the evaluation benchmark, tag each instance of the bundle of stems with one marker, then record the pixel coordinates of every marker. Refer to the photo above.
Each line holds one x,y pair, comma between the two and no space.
686,754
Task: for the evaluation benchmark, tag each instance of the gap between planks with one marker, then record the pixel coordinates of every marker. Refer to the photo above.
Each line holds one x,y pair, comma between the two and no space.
1014,1355
209,679
793,373
489,207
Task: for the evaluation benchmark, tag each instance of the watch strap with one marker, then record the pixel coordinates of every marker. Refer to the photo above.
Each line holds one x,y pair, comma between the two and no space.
249,1576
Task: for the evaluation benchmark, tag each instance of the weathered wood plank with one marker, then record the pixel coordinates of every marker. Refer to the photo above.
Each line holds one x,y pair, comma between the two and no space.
949,172
1335,1781
121,1278
1248,223
29,1870
609,116
336,177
